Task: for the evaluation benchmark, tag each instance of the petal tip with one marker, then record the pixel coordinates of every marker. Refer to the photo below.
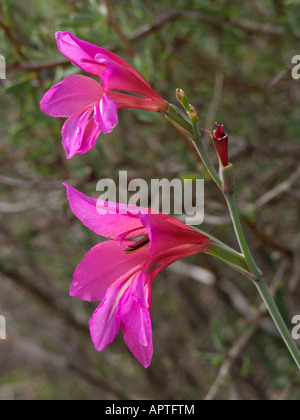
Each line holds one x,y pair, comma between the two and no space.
60,34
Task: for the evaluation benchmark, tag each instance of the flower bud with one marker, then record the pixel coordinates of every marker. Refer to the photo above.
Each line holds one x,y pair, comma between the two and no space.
221,144
193,114
181,96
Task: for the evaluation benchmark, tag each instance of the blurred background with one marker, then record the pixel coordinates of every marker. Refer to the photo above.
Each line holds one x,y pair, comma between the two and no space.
212,337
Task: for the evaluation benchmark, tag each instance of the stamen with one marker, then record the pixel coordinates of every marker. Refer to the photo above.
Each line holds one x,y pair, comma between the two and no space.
137,245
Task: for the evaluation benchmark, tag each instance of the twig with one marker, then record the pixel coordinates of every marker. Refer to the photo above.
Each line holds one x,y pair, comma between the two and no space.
278,190
233,355
266,240
195,272
113,22
43,296
169,16
39,66
216,99
20,206
257,320
62,363
11,38
243,24
31,204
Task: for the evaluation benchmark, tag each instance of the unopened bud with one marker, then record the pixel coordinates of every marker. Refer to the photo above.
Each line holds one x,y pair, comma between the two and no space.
181,96
193,114
221,144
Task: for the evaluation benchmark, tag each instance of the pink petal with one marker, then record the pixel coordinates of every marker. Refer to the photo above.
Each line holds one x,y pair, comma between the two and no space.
103,265
154,272
73,132
104,324
129,101
79,52
132,337
82,53
172,238
134,312
106,114
111,224
142,353
90,136
118,77
72,94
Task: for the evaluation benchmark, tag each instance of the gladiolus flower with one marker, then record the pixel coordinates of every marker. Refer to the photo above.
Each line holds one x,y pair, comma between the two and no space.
92,107
120,272
221,144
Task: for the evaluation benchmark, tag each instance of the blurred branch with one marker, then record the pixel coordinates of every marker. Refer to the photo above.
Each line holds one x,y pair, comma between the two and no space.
232,357
193,271
7,28
262,9
42,295
147,29
277,191
19,207
244,308
243,24
292,150
169,16
40,356
266,240
39,65
31,204
295,276
216,99
15,182
113,22
254,322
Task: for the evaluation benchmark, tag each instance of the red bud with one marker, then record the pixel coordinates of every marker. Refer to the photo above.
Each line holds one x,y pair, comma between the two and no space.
221,144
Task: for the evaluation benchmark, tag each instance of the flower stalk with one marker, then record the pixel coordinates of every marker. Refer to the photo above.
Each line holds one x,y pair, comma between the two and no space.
264,292
244,262
198,144
260,282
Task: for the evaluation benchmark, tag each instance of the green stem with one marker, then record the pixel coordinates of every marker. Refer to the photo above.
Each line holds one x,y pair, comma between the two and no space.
260,283
277,318
240,235
233,259
230,256
198,144
178,121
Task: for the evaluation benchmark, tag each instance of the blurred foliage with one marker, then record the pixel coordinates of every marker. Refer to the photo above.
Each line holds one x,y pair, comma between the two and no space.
233,73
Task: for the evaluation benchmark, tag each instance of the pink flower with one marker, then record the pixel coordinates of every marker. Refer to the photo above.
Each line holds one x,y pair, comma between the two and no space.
92,107
120,272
